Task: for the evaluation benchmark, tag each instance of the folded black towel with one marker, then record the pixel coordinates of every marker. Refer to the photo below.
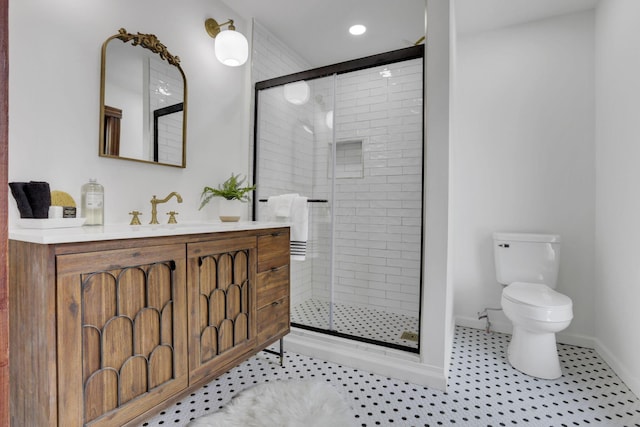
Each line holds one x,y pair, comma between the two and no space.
39,196
17,189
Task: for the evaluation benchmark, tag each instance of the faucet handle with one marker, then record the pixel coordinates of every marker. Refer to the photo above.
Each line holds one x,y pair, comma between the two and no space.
172,217
135,220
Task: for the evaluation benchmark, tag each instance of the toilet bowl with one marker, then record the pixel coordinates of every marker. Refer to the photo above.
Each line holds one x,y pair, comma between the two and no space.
527,265
537,312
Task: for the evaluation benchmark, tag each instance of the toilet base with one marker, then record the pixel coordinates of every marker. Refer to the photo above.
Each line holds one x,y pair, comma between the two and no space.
534,353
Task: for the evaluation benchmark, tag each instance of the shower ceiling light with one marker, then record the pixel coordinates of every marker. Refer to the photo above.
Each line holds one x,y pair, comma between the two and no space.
231,46
357,29
386,72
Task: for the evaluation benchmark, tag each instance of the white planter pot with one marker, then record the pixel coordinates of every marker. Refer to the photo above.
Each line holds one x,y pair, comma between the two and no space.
230,210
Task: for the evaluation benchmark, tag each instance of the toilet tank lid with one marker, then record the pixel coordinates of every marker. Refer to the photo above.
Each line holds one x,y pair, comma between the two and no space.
526,237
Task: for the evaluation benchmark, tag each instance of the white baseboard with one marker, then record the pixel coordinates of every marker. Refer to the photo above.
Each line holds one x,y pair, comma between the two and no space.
471,322
625,375
392,363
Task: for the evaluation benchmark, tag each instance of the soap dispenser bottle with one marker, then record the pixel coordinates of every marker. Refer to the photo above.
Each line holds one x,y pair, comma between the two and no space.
92,203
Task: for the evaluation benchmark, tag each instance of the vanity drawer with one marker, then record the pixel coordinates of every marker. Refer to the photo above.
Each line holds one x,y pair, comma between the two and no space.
273,321
273,250
272,285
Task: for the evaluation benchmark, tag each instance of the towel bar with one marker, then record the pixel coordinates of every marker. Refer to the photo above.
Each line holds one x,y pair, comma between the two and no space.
308,200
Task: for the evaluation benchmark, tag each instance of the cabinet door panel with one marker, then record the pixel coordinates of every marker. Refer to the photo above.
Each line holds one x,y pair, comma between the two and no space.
121,333
221,304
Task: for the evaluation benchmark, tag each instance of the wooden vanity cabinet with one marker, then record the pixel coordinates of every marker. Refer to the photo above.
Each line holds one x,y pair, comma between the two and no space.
108,333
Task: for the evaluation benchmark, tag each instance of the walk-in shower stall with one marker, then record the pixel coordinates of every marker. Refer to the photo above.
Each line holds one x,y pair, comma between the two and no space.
349,137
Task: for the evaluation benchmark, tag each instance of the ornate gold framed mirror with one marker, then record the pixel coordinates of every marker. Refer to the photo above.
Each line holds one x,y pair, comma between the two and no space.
143,101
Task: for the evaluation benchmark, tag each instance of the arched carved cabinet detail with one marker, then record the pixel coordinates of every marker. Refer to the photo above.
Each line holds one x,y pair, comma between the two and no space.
223,320
129,316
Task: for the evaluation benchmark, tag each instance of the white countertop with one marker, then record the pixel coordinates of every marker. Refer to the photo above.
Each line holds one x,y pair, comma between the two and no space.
90,233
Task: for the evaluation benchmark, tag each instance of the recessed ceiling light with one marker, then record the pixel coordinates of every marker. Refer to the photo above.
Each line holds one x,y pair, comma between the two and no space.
357,29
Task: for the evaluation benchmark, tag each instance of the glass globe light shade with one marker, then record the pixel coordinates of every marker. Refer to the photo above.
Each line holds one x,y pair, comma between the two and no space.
329,119
232,48
297,93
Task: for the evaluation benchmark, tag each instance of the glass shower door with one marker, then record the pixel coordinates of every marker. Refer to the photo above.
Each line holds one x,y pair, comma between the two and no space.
292,138
354,146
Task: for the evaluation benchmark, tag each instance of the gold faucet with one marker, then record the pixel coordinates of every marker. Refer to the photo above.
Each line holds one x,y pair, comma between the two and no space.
154,203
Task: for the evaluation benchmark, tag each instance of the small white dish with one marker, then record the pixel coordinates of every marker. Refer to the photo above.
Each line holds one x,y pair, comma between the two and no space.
43,223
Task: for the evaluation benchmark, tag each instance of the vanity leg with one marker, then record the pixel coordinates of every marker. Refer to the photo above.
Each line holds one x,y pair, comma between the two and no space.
278,353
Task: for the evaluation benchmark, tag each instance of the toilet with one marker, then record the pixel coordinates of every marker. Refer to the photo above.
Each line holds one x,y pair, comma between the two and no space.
527,265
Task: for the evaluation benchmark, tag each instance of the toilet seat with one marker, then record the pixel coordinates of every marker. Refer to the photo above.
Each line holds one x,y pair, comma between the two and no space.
538,301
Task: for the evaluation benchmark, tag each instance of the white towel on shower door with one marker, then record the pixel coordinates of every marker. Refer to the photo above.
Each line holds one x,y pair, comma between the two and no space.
294,209
299,228
280,206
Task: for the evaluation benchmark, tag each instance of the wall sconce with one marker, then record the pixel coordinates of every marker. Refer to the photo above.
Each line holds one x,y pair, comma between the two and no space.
231,46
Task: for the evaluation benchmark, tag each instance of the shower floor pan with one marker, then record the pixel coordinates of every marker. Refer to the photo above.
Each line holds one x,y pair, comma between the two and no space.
358,321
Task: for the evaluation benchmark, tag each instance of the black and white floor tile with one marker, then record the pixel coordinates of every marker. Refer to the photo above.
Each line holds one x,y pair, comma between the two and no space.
359,321
484,390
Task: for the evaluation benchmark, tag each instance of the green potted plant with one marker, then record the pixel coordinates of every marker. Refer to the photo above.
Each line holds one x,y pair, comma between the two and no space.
233,192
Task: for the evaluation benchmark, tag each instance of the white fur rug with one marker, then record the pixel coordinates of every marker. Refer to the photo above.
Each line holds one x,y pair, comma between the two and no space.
282,403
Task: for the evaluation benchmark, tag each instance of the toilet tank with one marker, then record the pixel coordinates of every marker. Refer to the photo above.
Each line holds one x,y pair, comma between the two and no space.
525,257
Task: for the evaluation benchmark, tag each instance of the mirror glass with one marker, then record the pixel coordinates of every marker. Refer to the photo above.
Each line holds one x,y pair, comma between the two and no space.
142,101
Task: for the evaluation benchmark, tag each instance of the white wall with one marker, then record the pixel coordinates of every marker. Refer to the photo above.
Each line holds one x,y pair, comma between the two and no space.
436,324
523,158
618,203
54,95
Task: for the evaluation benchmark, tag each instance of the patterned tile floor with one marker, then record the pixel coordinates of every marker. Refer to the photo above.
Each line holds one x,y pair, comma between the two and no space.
483,390
357,321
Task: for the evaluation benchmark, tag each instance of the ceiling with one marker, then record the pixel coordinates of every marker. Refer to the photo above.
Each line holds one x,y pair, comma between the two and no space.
483,15
317,29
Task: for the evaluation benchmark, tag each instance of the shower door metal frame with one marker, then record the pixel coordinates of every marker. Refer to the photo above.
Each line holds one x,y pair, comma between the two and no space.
413,52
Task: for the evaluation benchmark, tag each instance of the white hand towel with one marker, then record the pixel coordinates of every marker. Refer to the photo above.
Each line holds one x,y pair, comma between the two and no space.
299,228
280,206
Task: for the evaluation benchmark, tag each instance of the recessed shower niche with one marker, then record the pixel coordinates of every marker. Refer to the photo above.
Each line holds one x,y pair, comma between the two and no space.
349,162
350,138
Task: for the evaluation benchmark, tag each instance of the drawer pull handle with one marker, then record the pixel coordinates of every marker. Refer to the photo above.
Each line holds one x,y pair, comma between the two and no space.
274,269
275,303
276,234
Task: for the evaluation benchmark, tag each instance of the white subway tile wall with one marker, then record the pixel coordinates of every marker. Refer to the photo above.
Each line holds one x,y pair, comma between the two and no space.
379,214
